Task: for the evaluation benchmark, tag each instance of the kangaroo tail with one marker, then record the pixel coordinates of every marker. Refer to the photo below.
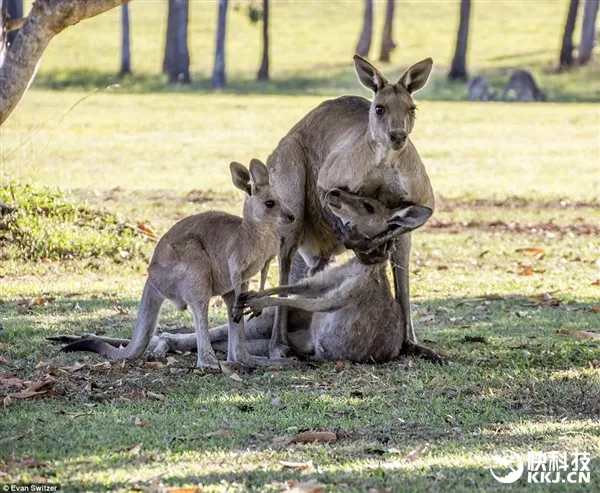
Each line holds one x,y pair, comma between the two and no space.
145,327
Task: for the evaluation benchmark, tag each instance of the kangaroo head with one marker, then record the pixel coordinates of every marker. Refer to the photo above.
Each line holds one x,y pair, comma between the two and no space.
392,113
369,217
263,203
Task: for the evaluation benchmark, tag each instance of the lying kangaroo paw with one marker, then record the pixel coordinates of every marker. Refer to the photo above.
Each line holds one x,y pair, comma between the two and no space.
279,351
414,349
64,338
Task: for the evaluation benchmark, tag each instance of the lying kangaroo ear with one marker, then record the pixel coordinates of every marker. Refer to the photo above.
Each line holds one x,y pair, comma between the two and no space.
368,75
259,173
241,177
417,75
410,218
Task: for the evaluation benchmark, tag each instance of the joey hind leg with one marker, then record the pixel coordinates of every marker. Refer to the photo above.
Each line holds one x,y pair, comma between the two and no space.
206,354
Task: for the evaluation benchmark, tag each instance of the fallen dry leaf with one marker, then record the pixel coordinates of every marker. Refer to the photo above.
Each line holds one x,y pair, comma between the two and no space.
158,397
417,453
183,489
105,365
147,230
596,283
526,271
77,366
236,377
35,386
140,422
314,436
155,364
595,309
579,334
11,381
531,251
303,466
16,437
6,402
135,450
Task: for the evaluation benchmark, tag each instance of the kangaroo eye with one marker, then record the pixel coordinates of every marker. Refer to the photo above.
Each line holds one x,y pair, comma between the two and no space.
411,112
379,110
368,207
270,204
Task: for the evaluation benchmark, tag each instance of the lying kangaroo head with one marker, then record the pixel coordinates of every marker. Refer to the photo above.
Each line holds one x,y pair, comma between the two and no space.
392,113
263,203
371,218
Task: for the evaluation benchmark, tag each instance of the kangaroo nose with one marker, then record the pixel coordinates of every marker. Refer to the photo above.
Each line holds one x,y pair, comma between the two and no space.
290,217
398,137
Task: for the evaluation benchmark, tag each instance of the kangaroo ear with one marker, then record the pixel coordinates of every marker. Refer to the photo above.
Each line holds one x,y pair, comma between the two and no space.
410,218
416,76
368,75
241,177
259,173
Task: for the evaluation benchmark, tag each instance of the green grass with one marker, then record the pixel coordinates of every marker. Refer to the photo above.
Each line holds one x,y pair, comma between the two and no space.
507,177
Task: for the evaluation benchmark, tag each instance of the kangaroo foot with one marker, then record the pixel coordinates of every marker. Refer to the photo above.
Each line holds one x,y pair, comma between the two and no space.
208,360
260,361
414,349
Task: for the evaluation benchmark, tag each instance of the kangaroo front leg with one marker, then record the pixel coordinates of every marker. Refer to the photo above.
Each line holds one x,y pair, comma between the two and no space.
331,302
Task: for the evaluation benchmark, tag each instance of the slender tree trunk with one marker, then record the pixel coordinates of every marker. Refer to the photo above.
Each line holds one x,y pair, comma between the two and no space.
125,42
177,58
364,42
588,31
458,70
46,19
263,71
566,51
219,79
387,40
15,10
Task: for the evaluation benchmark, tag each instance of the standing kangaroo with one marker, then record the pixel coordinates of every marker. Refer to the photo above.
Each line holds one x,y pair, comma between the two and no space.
209,254
360,146
524,87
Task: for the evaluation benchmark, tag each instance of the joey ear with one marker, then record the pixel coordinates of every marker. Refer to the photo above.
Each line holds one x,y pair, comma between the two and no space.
241,177
410,218
417,75
368,75
259,173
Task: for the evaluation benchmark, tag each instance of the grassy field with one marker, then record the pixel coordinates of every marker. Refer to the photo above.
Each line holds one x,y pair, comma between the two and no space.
507,177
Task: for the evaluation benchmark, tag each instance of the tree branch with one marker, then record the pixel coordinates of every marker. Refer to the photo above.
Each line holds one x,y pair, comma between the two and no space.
46,19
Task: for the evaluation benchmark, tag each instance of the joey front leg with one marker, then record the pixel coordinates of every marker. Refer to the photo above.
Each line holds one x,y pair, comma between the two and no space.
264,273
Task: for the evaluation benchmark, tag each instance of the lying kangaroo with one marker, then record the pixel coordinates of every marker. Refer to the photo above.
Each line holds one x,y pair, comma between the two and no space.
479,90
362,147
205,255
524,87
356,317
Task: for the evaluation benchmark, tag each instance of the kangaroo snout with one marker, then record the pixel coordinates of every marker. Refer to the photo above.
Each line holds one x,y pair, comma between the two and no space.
286,216
398,138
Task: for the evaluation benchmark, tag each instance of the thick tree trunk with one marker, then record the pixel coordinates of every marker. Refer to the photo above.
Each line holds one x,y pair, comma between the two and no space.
566,51
263,71
387,39
177,58
219,79
364,42
125,42
588,31
15,11
458,70
46,19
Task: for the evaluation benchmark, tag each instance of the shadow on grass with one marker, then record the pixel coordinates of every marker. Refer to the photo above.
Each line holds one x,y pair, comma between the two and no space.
330,81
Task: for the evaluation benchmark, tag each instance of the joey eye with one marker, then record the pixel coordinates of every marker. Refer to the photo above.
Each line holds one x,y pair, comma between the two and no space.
368,207
270,204
412,111
379,110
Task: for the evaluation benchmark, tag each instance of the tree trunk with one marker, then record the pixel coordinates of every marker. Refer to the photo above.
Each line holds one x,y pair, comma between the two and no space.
566,51
46,19
588,31
263,71
458,70
15,10
125,42
387,39
176,62
219,79
364,42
